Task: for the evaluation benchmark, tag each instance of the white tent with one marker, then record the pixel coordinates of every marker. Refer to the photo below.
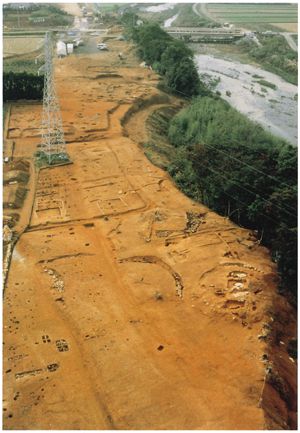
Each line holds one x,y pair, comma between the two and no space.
70,48
61,49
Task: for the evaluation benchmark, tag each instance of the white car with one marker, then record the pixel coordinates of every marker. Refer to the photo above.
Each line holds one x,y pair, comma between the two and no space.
102,47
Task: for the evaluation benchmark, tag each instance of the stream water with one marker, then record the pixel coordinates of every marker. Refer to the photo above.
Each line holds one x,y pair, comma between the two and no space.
275,109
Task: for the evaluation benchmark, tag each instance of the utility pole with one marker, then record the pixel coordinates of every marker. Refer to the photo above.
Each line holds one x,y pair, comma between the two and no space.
53,141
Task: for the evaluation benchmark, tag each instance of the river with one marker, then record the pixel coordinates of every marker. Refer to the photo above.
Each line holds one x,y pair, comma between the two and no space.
275,109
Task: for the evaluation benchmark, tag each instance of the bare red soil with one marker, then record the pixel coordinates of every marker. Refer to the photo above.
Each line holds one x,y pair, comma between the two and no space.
128,305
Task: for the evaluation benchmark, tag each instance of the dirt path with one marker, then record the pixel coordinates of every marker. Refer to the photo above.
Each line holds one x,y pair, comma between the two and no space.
203,12
129,306
290,40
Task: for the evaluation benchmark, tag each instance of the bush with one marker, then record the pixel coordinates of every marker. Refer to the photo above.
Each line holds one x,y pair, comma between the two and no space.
267,84
22,86
42,159
275,55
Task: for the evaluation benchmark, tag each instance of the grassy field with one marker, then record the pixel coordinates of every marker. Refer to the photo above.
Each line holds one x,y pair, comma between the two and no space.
24,62
21,65
254,14
38,17
20,53
187,17
20,45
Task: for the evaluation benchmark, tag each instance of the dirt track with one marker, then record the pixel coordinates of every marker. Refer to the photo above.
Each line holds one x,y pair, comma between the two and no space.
128,306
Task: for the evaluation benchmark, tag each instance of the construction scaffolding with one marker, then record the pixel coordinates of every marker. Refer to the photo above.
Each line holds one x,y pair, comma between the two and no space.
53,142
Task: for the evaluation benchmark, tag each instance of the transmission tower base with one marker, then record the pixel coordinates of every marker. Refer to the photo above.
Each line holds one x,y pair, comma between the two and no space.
43,159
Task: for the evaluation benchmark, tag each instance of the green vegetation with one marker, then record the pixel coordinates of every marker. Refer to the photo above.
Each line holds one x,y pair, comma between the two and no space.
20,65
253,13
39,15
22,86
188,18
232,165
267,84
210,81
42,159
274,55
158,149
295,37
169,57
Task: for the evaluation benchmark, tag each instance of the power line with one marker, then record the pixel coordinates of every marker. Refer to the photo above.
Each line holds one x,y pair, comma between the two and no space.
252,168
239,200
263,198
266,216
248,165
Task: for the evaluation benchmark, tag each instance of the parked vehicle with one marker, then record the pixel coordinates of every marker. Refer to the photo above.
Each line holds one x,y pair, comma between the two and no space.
102,47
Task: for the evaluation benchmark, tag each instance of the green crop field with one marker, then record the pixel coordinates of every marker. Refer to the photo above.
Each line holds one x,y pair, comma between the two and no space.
254,13
38,16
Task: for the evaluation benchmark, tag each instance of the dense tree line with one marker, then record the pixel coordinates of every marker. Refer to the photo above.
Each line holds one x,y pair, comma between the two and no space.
171,58
238,169
22,85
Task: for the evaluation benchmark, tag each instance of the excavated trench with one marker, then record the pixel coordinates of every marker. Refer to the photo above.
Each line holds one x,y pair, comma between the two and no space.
107,354
279,394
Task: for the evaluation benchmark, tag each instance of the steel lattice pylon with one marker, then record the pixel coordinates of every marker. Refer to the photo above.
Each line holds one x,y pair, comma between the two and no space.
53,141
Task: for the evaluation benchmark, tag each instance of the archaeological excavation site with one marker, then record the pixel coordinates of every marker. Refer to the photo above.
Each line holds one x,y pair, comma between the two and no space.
128,305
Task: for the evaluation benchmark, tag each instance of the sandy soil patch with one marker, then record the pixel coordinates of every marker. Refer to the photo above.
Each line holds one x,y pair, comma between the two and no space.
289,27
